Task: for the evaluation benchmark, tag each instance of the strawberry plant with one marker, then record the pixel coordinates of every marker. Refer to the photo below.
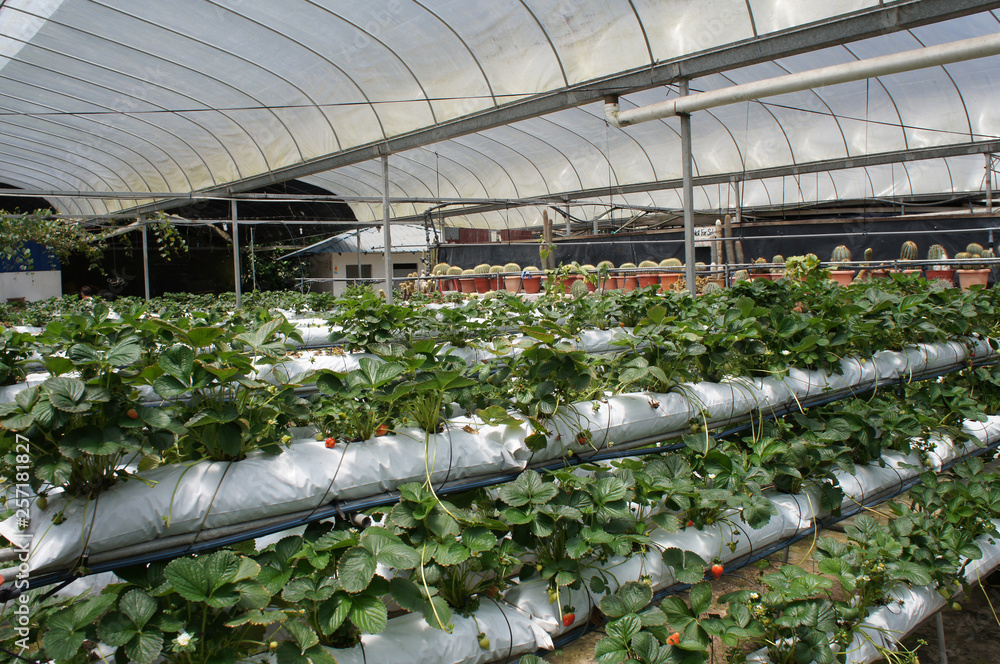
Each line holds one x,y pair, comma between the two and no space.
635,631
226,413
353,405
462,552
325,590
366,320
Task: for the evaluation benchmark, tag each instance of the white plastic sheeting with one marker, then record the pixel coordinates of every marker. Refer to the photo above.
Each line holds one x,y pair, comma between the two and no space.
120,97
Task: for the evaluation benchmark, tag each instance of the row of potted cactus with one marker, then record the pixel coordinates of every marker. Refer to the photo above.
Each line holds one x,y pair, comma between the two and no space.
511,277
972,266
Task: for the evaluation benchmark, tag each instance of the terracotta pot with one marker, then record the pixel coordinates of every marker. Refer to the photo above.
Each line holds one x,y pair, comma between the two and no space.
629,283
648,280
967,278
842,277
591,286
512,284
484,284
765,276
940,275
467,284
667,279
532,285
878,274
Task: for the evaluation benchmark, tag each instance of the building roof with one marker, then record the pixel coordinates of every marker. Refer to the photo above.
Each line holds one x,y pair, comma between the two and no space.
369,240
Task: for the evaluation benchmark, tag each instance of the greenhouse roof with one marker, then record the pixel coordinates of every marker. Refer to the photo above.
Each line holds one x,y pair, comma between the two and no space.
109,106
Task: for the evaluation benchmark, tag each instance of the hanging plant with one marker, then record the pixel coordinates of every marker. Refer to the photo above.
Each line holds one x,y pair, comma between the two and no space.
59,236
169,241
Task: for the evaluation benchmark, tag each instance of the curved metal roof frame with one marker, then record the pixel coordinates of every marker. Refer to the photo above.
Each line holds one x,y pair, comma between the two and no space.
209,97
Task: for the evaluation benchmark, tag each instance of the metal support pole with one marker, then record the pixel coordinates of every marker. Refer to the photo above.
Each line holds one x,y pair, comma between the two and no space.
385,228
689,259
236,254
568,227
739,207
145,261
942,652
989,183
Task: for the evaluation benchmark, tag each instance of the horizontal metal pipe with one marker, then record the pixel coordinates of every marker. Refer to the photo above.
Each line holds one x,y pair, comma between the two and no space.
921,58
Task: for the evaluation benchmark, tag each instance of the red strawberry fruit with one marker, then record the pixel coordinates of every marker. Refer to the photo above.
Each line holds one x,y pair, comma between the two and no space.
382,430
674,639
132,414
331,442
568,619
717,570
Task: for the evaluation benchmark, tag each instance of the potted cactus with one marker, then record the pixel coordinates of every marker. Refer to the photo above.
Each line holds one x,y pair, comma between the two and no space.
942,272
839,273
673,267
972,272
496,278
756,271
628,279
909,252
648,278
455,272
512,277
871,270
440,270
778,271
467,281
481,278
741,275
532,280
589,276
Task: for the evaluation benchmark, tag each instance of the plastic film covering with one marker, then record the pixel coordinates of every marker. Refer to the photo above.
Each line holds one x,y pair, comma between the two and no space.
187,96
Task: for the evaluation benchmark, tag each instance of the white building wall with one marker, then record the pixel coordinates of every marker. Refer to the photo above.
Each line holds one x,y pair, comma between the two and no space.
326,266
31,286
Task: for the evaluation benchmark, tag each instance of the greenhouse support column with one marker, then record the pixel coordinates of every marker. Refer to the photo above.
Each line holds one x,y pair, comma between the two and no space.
989,183
739,208
385,228
688,194
145,261
236,255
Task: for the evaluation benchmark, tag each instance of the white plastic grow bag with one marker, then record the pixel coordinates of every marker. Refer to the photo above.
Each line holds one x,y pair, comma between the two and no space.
616,420
409,639
888,625
205,495
532,596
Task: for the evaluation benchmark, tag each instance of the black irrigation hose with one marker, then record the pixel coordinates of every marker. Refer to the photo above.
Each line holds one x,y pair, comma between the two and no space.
340,509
